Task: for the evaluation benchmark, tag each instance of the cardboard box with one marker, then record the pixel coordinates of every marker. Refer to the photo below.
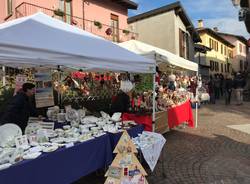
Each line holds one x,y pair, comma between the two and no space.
161,122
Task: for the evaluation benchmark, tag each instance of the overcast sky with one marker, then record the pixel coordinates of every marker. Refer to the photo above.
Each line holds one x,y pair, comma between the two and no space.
215,13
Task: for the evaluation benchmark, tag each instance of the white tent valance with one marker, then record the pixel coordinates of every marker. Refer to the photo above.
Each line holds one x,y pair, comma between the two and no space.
160,55
40,40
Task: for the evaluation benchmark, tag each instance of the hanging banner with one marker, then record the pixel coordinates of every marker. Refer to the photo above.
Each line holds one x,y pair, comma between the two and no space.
20,80
44,90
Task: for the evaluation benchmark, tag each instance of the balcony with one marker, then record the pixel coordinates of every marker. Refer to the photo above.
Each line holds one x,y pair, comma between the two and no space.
95,27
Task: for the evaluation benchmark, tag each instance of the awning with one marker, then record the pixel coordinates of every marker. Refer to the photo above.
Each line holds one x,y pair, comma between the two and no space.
160,55
40,40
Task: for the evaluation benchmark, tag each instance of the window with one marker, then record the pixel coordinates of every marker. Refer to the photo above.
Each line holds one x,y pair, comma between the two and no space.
216,66
66,7
225,66
240,47
210,43
225,51
221,66
183,43
9,7
230,53
68,11
211,65
221,49
241,65
115,27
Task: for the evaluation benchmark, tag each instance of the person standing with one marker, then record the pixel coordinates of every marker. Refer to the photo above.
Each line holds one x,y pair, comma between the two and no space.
211,90
228,89
239,84
221,77
217,83
19,109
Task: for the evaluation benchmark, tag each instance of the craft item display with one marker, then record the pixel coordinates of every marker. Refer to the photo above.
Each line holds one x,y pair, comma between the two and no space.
151,145
42,138
125,168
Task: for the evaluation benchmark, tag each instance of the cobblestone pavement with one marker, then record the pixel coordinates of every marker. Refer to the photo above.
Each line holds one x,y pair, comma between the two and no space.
210,154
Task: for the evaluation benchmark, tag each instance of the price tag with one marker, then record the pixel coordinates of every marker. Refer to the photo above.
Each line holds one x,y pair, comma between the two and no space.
22,141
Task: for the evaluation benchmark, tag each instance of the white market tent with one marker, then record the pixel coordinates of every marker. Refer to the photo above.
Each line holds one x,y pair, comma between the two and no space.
40,40
160,55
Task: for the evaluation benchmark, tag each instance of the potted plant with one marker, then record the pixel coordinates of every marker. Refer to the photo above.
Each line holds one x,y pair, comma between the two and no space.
98,24
126,32
59,12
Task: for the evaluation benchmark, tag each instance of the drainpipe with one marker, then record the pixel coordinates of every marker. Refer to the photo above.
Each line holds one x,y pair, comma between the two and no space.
83,14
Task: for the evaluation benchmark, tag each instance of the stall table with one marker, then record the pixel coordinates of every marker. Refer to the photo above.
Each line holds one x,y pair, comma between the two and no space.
66,165
145,120
180,114
63,166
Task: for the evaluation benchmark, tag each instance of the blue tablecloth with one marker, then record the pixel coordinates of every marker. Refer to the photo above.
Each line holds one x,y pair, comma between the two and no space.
63,166
66,165
133,132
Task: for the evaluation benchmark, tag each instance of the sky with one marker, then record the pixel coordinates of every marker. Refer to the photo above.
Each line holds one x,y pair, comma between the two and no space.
215,13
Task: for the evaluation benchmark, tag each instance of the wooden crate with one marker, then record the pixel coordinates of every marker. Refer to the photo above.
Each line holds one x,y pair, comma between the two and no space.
161,122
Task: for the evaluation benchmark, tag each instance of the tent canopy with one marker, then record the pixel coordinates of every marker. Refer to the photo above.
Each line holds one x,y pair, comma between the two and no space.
160,55
40,40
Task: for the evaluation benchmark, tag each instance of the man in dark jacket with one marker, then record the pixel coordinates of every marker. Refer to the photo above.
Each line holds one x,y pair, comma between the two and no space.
228,89
19,108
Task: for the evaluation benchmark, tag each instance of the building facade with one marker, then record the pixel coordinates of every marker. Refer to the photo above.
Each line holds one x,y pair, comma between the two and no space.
168,28
220,58
240,52
106,18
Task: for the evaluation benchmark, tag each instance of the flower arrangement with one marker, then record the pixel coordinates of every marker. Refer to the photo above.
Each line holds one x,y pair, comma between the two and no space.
98,24
59,12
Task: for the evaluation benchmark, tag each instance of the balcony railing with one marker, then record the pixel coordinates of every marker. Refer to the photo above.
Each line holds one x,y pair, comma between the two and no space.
95,27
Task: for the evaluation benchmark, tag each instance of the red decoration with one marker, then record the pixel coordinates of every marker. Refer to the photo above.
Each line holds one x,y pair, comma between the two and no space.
145,120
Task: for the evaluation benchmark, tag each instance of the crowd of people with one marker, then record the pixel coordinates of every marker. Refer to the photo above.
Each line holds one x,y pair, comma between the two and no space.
220,87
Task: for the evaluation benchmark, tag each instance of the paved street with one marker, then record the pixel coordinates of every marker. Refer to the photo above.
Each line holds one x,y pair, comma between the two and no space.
210,154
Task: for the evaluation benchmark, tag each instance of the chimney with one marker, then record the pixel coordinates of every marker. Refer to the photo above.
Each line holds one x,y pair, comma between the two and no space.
216,29
200,23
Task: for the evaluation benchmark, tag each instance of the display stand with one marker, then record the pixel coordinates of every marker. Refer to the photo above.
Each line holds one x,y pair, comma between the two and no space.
126,168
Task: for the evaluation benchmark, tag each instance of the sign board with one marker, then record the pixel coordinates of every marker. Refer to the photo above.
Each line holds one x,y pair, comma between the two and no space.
44,90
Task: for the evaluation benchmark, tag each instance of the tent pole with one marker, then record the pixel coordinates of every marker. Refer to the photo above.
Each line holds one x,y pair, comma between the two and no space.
196,102
59,96
154,96
4,77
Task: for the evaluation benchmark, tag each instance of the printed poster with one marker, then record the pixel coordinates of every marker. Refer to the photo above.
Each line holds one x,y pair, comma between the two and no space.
44,90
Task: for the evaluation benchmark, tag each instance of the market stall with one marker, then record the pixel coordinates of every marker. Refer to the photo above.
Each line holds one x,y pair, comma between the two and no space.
165,61
40,41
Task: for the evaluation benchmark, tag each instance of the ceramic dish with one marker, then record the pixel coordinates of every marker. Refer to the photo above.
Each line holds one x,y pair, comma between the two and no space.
58,140
72,115
91,119
68,140
5,166
31,155
34,149
116,116
50,148
8,132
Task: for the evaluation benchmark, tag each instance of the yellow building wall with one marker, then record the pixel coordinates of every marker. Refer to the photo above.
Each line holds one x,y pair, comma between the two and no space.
217,56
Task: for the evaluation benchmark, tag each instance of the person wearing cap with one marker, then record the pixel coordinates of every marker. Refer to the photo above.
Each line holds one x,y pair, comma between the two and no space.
19,108
122,100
